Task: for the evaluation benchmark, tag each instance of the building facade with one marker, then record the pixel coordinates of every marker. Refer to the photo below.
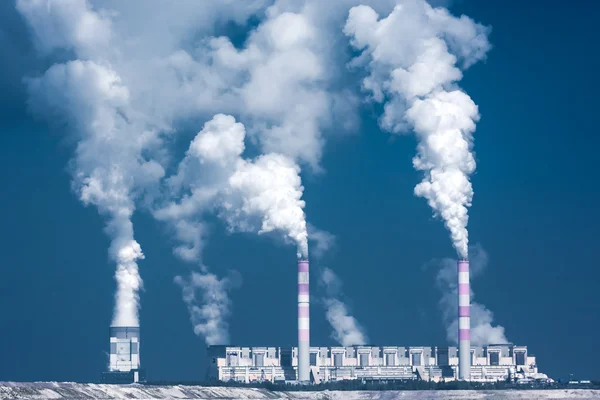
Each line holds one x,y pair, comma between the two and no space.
124,359
279,364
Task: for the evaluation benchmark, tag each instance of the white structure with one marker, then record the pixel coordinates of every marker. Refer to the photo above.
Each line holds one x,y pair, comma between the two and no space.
277,364
125,350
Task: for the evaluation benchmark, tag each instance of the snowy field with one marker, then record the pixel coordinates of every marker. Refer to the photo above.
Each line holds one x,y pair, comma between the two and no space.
53,390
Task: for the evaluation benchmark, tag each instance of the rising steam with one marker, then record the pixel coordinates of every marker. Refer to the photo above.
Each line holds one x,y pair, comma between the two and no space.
271,189
109,170
346,329
129,86
412,58
251,195
483,331
210,309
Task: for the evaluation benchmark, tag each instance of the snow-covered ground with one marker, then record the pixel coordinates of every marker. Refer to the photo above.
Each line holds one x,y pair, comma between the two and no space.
66,390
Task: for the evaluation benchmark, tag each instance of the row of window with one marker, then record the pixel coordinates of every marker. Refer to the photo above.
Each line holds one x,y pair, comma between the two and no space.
416,359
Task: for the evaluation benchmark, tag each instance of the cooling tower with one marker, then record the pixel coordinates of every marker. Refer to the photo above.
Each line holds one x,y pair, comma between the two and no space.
303,323
124,348
464,321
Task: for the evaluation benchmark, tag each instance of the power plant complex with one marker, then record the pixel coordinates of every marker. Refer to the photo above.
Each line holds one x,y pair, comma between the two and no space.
370,363
306,364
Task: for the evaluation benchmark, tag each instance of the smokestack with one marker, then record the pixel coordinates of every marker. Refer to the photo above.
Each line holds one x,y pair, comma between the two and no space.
124,348
303,322
464,321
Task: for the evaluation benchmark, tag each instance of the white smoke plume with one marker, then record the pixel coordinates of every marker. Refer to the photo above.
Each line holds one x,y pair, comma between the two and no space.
210,309
201,176
261,195
346,329
414,56
109,168
483,331
271,189
130,82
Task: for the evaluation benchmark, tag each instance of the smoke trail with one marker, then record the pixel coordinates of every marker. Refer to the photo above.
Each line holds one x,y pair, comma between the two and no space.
283,83
261,195
208,315
109,168
322,241
346,329
270,188
412,58
202,178
254,195
483,331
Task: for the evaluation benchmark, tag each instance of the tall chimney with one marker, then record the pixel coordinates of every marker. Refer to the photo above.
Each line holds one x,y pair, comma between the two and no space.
303,323
464,321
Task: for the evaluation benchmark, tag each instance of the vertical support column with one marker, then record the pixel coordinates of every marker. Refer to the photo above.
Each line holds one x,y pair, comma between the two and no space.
303,322
464,321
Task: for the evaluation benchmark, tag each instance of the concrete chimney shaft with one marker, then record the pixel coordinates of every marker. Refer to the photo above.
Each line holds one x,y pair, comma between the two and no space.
464,321
303,322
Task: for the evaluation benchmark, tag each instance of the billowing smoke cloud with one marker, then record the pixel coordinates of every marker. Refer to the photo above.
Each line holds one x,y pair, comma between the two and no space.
131,82
260,195
346,329
414,56
210,159
271,189
483,331
109,166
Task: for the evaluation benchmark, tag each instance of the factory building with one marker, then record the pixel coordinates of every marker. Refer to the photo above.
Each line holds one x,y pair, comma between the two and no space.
124,358
279,364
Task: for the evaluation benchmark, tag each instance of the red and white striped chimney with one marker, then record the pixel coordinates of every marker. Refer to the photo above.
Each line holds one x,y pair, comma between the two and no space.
303,322
464,321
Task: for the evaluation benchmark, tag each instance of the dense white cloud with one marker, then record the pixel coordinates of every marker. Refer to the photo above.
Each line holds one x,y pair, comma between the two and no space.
413,57
110,169
67,24
270,189
139,71
260,195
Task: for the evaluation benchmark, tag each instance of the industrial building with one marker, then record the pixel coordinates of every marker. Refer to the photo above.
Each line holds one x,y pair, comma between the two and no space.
124,359
306,364
278,364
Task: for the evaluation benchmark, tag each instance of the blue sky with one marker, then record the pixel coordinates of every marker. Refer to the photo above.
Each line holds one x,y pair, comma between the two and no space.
534,212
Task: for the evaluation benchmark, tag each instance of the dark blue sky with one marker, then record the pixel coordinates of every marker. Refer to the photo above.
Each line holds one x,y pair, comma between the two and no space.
535,212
